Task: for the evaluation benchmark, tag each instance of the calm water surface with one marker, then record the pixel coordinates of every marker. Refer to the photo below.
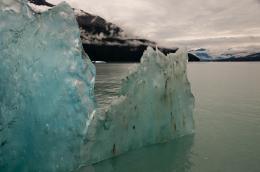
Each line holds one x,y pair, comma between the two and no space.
227,119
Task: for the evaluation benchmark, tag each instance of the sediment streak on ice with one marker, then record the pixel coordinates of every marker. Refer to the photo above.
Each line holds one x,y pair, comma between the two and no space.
48,118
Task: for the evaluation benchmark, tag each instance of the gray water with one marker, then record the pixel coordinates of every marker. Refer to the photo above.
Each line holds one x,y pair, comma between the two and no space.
227,119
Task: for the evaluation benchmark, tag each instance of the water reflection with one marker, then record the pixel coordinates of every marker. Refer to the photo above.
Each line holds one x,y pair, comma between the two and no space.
168,157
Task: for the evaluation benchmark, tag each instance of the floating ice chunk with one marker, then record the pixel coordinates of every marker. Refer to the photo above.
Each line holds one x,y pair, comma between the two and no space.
48,119
155,106
46,89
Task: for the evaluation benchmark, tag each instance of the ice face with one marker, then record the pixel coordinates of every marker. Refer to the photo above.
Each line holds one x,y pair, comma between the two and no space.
48,119
46,89
155,106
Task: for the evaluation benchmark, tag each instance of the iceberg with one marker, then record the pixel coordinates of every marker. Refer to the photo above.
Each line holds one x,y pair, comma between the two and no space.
48,114
155,106
46,89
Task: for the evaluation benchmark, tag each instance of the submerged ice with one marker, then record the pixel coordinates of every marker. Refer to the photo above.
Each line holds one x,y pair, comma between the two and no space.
48,117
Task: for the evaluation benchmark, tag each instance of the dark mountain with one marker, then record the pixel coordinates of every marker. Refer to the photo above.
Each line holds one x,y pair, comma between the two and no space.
41,2
252,57
193,58
206,56
105,41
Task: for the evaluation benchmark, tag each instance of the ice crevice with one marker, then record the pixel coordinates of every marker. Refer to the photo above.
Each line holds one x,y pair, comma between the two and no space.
48,115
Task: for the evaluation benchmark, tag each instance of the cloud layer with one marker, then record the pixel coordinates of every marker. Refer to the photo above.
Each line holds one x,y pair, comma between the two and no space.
172,22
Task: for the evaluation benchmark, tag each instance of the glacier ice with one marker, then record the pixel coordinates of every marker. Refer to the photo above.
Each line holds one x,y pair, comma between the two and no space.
155,105
48,115
46,89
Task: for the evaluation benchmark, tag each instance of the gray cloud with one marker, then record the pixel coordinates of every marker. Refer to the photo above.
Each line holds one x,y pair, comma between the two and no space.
173,22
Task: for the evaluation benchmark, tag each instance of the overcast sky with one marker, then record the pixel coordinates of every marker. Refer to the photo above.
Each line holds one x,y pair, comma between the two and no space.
182,22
